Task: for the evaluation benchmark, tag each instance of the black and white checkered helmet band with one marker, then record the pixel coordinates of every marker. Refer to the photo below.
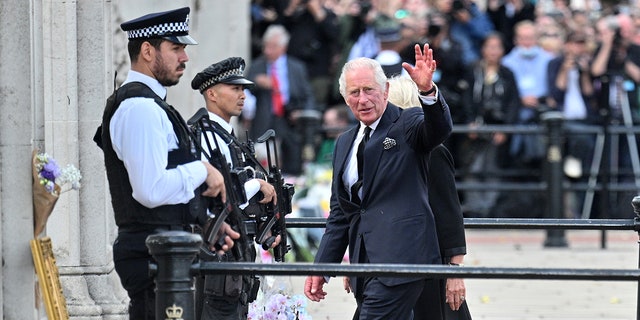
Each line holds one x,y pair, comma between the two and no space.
230,73
165,29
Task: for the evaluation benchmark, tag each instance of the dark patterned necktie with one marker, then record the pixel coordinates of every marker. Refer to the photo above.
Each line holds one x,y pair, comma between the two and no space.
355,188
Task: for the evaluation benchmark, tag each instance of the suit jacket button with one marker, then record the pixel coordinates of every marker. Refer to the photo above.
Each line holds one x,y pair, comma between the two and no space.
362,211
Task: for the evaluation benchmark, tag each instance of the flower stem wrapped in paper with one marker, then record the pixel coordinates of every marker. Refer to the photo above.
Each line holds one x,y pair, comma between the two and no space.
48,182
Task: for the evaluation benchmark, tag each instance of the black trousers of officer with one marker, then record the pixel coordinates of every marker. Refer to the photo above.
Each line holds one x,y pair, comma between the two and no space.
131,259
225,296
222,308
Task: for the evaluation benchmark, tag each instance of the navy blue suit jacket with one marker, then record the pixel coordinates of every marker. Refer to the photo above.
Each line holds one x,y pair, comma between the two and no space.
394,222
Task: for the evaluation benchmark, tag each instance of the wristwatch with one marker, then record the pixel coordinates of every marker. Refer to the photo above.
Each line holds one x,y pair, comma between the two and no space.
428,92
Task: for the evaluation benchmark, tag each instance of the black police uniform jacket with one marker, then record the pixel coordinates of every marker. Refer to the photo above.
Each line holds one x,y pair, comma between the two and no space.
128,211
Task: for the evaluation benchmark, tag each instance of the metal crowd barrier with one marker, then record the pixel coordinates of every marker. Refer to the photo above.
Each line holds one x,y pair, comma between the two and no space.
553,182
553,130
176,251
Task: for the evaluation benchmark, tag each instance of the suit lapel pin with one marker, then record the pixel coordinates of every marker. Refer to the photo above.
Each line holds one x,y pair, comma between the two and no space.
388,143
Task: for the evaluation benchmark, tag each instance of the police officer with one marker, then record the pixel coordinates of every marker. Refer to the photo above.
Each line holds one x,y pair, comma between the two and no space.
222,85
154,177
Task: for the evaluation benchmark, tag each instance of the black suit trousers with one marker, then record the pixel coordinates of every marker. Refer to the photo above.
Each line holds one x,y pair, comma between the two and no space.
379,302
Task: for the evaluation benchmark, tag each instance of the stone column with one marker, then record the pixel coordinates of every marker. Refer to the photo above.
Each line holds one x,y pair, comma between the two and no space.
18,116
77,74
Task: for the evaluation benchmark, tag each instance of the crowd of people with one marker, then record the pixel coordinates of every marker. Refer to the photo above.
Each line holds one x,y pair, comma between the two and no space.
499,63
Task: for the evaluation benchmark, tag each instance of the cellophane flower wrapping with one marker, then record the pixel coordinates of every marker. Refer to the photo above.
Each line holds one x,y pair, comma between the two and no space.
48,180
276,302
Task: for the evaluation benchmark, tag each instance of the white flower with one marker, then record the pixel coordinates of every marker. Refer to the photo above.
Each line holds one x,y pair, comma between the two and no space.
70,175
275,304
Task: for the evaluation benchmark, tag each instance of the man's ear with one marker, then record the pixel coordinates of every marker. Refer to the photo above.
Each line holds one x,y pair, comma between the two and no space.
386,90
147,52
211,93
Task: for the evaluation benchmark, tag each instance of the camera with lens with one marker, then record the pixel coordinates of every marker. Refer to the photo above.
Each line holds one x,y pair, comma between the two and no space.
435,24
365,7
458,5
614,25
617,39
433,30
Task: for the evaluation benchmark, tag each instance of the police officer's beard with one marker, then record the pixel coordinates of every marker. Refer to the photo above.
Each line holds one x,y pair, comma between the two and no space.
162,74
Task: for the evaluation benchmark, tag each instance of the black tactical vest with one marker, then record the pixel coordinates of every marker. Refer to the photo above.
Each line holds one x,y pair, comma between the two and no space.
128,211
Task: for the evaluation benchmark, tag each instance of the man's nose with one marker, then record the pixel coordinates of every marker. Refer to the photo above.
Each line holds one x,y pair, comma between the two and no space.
362,98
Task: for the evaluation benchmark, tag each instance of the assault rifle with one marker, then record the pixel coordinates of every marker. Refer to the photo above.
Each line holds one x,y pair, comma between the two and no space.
274,223
229,212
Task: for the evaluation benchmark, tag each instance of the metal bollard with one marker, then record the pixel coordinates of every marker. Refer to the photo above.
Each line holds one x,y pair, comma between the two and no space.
175,253
554,176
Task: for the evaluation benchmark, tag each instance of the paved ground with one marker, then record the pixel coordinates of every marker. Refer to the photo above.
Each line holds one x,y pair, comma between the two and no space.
498,299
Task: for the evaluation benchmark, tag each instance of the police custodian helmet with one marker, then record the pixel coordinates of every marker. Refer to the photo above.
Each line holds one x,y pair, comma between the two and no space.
170,25
229,71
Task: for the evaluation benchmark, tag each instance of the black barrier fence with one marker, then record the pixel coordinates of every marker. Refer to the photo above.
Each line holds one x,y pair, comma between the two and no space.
413,270
550,184
601,177
176,251
511,223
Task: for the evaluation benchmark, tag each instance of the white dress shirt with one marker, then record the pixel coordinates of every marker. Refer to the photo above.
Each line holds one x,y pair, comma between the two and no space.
142,136
350,175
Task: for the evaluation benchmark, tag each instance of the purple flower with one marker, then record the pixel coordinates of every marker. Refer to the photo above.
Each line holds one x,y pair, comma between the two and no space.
49,175
51,170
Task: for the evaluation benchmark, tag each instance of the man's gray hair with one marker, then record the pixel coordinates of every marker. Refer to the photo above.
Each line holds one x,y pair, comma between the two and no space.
277,31
360,63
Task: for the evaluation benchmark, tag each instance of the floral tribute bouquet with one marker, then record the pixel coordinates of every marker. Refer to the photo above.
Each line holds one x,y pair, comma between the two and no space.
275,303
49,181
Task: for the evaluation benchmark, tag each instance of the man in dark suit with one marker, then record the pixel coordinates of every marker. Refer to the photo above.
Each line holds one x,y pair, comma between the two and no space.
440,298
281,92
382,214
